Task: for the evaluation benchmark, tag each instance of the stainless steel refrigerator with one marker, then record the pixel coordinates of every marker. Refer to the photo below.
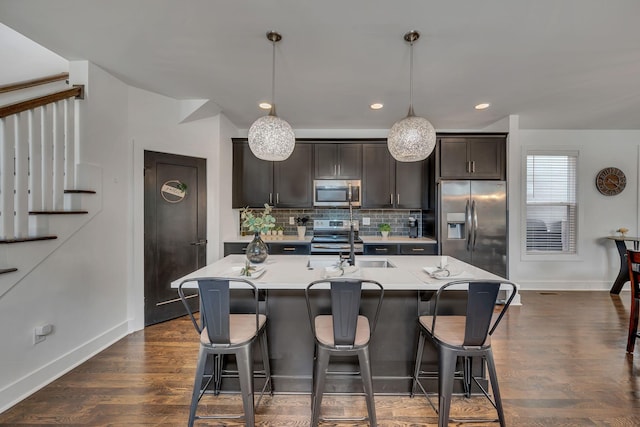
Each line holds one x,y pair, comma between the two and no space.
473,223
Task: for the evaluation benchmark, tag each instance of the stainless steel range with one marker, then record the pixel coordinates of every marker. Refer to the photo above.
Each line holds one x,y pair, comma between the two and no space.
331,237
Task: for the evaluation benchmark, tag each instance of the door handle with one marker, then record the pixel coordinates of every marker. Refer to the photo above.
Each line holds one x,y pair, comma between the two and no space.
467,220
200,242
473,166
391,199
474,216
270,198
277,198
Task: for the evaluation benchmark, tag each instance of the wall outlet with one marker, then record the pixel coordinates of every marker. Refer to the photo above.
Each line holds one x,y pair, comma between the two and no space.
292,220
366,220
40,333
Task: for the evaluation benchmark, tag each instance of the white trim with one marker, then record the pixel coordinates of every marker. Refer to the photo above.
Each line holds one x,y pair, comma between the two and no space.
34,381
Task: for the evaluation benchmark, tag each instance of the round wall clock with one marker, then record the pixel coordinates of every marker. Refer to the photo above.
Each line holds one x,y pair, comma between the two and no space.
610,181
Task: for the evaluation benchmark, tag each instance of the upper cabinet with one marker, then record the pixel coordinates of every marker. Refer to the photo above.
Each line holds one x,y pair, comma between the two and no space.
387,183
338,160
285,184
472,157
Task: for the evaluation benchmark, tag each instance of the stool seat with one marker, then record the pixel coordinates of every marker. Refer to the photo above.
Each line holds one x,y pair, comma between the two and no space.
341,330
463,336
221,333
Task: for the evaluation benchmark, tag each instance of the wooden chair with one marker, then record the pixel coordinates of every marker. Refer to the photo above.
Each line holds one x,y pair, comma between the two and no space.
221,333
633,261
463,336
343,331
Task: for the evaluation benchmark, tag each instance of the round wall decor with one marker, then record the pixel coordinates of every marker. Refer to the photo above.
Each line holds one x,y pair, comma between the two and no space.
173,191
611,181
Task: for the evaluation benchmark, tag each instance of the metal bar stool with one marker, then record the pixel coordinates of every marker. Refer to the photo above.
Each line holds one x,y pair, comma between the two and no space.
465,336
225,333
341,330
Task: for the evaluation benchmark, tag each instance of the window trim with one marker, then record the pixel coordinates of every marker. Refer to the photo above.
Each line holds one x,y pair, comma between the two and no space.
547,256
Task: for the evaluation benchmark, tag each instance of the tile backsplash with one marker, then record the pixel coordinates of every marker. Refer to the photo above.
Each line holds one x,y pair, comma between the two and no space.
397,218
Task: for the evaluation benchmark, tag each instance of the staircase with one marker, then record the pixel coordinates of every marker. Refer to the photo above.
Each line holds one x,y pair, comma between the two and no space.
46,196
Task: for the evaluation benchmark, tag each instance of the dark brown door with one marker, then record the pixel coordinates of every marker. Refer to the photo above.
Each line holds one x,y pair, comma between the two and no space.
175,229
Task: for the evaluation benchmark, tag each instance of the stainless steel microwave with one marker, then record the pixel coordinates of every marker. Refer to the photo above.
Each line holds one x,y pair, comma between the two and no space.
336,192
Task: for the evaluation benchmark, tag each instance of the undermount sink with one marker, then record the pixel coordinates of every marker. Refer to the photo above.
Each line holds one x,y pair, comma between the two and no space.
362,262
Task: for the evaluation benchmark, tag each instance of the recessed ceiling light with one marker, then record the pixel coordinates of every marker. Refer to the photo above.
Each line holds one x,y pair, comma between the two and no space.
482,106
376,106
265,105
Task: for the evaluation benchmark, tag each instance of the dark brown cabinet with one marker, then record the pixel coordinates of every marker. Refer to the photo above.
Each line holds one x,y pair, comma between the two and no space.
285,184
400,249
280,248
387,183
338,161
472,157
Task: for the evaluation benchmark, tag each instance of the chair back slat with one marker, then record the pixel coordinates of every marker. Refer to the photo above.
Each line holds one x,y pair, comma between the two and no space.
481,301
345,307
214,297
633,261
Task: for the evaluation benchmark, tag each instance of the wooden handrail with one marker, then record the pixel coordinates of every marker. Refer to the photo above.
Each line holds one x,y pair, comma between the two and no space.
34,82
19,107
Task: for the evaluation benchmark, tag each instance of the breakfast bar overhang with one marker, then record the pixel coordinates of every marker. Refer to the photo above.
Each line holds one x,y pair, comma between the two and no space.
393,345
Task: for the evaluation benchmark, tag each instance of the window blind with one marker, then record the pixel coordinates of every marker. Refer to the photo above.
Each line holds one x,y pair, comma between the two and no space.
551,203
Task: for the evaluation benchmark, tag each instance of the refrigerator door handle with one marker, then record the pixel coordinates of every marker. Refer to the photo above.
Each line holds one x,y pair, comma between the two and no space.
467,220
474,215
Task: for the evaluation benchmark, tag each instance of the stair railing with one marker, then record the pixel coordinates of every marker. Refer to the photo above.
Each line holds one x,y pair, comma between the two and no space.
37,154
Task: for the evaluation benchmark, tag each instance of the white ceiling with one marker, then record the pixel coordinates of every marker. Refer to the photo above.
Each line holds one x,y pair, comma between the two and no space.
558,64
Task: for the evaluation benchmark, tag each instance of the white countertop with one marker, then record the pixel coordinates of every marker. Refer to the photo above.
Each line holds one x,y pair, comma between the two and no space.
291,271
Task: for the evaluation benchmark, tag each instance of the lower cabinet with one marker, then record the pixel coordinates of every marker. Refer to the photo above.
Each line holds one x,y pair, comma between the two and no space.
400,249
237,248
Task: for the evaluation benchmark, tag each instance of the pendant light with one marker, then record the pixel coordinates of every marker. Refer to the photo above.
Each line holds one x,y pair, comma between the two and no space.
413,138
270,137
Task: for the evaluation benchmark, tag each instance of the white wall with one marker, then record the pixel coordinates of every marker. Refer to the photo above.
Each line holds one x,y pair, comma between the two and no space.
597,262
154,124
81,287
91,288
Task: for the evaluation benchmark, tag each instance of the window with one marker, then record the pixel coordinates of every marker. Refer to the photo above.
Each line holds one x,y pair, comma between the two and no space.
551,209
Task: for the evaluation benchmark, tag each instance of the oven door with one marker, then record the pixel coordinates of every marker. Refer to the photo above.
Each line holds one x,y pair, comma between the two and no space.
336,193
335,248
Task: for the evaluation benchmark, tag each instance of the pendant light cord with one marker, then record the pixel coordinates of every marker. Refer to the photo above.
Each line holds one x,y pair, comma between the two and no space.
272,112
411,79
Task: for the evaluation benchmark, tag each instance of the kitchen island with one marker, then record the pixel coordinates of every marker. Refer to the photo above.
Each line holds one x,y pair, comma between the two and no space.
393,344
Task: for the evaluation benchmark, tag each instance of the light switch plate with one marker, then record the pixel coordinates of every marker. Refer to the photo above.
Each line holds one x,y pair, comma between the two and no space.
366,220
292,221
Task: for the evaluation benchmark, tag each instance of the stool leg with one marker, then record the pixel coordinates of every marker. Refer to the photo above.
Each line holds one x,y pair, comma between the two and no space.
367,384
447,368
265,360
245,372
491,367
416,371
320,373
197,385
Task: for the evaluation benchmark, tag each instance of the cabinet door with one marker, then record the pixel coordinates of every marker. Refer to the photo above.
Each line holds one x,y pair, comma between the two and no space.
418,249
292,179
454,163
235,248
380,249
378,170
409,184
326,161
289,248
487,157
349,161
252,178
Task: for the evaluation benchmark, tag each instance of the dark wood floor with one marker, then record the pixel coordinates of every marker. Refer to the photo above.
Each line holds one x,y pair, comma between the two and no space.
560,357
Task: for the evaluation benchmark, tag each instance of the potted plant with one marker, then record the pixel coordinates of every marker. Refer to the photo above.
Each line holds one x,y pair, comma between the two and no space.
257,250
384,230
279,230
301,222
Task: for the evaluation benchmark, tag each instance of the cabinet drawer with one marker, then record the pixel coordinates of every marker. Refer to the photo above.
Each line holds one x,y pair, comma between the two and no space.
289,248
418,249
380,249
235,248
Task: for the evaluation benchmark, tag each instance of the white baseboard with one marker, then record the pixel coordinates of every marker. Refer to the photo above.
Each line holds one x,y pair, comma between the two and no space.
564,285
30,383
